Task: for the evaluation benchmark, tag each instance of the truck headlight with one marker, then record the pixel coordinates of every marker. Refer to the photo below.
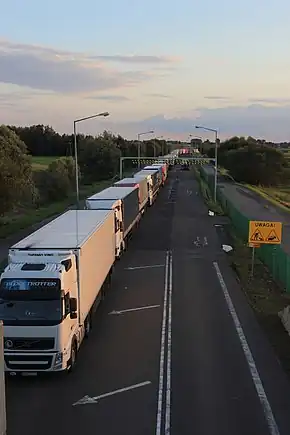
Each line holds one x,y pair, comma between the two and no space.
58,359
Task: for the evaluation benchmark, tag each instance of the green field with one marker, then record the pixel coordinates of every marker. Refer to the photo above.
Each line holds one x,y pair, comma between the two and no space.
41,163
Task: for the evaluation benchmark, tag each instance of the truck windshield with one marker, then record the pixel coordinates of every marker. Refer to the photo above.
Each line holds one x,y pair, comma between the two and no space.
31,301
30,289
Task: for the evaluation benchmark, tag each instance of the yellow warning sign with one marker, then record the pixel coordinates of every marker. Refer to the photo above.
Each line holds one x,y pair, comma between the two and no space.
265,232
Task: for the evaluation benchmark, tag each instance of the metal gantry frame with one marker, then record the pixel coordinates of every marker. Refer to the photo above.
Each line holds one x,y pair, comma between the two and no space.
168,160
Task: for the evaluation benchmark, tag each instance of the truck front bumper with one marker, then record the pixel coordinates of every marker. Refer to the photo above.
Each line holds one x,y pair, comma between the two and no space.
34,362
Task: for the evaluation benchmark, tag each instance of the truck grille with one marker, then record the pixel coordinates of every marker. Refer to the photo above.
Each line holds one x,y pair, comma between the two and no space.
11,343
28,362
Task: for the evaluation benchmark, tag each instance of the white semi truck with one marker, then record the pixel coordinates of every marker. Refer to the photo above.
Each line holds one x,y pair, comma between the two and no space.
141,184
124,201
154,180
2,386
163,167
52,286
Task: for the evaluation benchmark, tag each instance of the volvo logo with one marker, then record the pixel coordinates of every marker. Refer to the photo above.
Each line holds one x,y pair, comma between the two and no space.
9,344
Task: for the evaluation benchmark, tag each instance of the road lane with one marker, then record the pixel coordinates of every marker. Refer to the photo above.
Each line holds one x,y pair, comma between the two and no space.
202,384
123,350
212,388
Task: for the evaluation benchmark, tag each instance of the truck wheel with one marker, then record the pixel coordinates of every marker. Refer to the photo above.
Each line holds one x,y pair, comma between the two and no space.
88,326
73,358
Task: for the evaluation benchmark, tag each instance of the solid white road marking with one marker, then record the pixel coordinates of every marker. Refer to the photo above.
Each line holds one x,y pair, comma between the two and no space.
168,381
87,399
271,422
144,267
134,309
162,349
165,348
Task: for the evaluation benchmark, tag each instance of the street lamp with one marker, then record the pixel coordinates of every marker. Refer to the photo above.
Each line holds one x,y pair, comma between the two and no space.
216,146
139,144
76,149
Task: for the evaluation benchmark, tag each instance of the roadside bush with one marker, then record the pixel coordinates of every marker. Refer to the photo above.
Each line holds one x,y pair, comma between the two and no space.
57,182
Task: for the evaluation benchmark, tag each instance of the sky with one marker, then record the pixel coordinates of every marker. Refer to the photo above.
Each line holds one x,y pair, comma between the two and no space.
156,65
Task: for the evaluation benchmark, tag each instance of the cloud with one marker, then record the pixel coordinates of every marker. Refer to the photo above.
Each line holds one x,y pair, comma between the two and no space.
213,97
108,98
271,123
65,72
270,100
158,95
139,59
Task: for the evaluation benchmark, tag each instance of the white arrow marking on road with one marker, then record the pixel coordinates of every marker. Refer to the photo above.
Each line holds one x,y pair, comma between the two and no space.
87,399
134,309
144,267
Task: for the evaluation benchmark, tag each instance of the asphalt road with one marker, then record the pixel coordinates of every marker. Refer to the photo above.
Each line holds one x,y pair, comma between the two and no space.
203,383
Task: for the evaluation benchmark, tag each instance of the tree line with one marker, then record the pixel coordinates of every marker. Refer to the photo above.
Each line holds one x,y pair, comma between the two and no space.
21,185
98,159
252,161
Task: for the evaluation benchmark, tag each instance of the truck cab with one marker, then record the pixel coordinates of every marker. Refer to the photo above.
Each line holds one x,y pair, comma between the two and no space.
111,204
151,189
39,308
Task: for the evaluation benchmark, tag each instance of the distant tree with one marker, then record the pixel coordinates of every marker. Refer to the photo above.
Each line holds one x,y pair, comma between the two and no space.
257,165
98,158
16,182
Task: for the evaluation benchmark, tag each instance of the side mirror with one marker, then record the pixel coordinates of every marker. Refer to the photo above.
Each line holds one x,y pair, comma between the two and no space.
73,307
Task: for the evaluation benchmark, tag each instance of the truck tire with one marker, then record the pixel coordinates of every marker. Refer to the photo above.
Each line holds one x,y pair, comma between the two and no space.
73,358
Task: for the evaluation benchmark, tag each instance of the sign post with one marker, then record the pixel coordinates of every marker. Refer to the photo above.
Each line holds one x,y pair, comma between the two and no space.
263,233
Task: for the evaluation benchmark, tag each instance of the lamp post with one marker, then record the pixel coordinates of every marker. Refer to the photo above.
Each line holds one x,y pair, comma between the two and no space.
139,144
216,146
76,149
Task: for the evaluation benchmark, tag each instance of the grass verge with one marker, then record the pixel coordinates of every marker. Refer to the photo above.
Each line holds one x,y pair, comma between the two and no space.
264,296
41,163
34,216
206,193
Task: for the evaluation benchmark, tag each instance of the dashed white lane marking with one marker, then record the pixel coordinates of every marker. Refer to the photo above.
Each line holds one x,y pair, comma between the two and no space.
88,400
271,422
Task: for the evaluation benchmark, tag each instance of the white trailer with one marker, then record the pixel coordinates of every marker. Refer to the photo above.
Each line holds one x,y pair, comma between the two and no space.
141,184
53,284
3,427
124,201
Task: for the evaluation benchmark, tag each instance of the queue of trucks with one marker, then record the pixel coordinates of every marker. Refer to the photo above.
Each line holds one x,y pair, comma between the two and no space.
57,276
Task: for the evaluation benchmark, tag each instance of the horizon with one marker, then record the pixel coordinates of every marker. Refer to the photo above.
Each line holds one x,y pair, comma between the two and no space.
162,71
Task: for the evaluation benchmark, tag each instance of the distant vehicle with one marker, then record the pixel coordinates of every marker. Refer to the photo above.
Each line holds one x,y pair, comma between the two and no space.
124,201
154,180
185,167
